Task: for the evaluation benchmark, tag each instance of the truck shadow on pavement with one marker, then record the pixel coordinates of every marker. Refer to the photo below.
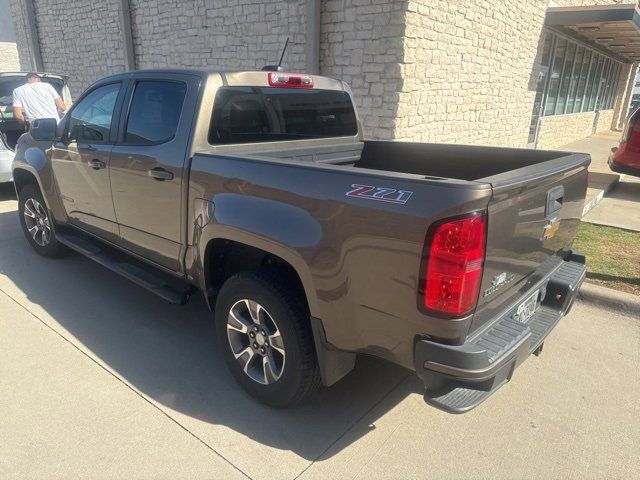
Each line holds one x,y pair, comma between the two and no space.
169,354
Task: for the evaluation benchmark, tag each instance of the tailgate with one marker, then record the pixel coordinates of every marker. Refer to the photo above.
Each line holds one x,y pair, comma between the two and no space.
533,215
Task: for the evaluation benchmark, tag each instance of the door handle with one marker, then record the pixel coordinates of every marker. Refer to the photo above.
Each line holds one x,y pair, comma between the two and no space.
97,164
555,199
160,174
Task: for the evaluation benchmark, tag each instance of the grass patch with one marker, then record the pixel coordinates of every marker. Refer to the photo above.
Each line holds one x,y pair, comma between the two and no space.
613,256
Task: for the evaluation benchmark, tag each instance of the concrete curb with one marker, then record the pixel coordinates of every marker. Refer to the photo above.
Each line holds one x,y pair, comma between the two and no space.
609,298
598,198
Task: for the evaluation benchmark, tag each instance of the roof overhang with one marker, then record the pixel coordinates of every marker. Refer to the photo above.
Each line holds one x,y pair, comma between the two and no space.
615,28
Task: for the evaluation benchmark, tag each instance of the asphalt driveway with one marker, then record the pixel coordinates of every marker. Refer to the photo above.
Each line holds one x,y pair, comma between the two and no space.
100,379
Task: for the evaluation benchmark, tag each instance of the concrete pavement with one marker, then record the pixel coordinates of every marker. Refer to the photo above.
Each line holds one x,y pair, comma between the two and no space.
99,379
620,207
601,178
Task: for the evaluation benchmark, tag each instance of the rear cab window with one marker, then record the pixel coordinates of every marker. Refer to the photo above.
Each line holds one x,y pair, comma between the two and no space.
154,112
269,114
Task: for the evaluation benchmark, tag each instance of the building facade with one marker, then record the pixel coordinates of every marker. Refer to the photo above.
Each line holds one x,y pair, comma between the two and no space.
9,61
492,72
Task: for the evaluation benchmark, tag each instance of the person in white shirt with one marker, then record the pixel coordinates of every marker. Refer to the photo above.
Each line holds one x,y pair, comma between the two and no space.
35,100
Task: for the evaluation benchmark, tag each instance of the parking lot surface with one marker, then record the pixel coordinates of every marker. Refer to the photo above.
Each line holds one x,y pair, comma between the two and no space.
100,379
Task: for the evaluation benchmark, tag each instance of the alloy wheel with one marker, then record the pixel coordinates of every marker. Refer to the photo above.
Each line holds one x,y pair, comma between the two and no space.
37,222
255,341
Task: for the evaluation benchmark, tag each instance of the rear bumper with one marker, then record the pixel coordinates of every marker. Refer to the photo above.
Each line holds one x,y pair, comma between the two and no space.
621,167
458,378
6,159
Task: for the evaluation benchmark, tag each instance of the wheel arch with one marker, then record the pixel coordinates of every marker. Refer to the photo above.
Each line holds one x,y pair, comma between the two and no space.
224,256
232,256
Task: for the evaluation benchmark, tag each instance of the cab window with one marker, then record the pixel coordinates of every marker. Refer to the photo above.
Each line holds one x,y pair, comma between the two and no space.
91,119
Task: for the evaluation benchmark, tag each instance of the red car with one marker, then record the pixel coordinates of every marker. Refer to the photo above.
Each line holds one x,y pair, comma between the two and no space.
626,157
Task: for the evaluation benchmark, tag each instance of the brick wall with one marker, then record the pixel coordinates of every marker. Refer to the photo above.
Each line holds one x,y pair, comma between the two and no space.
9,61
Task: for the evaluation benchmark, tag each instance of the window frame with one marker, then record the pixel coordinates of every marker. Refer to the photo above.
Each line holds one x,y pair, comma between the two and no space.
131,91
115,116
586,95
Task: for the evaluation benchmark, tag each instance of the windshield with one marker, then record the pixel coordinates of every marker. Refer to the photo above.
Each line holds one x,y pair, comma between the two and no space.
268,114
8,84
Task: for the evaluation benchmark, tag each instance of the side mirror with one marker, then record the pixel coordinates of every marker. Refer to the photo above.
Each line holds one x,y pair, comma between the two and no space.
43,129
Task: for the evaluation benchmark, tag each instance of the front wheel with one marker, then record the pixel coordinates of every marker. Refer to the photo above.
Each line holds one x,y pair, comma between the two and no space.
36,222
264,331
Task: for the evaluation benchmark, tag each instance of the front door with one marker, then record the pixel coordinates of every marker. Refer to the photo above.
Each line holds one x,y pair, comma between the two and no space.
147,167
80,162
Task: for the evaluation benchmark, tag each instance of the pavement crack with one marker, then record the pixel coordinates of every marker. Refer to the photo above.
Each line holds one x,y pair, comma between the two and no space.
127,385
352,426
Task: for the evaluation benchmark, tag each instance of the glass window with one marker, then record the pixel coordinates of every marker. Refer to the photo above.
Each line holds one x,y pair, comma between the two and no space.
554,80
565,79
154,112
575,74
615,77
597,77
546,49
268,114
604,84
90,119
582,81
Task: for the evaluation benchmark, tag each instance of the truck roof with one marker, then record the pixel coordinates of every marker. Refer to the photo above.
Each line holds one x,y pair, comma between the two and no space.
235,78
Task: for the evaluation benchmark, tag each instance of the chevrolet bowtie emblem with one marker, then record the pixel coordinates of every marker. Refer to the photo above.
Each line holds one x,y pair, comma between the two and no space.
551,228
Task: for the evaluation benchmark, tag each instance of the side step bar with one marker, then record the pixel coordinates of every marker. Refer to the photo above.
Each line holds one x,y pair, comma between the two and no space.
152,282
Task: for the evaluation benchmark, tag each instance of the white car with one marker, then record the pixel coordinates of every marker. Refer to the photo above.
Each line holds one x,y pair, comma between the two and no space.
10,128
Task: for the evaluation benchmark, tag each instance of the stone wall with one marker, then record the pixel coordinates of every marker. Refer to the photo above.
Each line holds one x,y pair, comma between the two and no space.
231,34
9,61
79,38
361,42
420,70
559,130
467,71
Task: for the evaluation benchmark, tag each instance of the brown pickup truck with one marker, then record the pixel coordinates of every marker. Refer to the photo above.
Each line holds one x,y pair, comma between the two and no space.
310,244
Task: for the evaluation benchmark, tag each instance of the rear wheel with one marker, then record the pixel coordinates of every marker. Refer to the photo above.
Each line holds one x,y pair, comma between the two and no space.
266,339
36,222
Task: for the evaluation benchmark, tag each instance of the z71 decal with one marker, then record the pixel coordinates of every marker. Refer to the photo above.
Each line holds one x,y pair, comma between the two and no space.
381,194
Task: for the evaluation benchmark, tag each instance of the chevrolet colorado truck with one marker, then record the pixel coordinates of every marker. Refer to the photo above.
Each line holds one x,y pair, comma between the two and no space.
310,244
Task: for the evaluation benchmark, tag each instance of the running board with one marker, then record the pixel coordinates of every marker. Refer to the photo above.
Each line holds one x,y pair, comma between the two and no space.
149,281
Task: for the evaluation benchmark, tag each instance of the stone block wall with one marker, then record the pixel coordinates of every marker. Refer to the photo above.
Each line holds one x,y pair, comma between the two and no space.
230,34
420,70
361,42
467,71
79,38
9,61
559,130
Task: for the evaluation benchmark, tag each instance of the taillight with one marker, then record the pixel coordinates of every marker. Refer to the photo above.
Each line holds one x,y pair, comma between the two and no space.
455,251
290,80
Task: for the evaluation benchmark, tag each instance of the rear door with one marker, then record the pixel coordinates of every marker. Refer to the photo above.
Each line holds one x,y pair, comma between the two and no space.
533,216
148,165
81,160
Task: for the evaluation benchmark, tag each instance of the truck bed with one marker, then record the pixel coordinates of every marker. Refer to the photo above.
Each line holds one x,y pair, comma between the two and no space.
461,162
513,186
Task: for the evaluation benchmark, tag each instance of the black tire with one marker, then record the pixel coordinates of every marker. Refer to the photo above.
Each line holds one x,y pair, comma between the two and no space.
47,245
300,375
